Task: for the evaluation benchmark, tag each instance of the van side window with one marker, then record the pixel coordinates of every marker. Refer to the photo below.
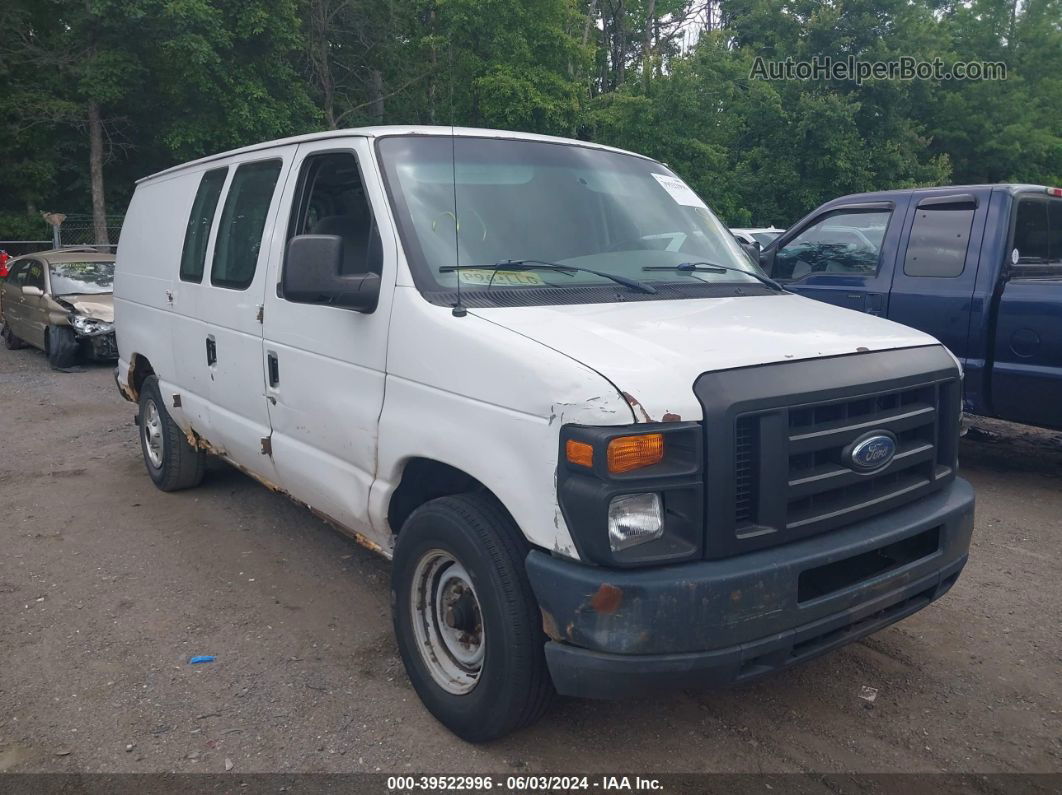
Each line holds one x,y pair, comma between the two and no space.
939,237
243,220
330,200
1038,232
841,242
193,255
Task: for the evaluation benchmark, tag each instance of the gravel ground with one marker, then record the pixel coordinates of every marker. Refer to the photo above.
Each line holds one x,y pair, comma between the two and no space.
107,586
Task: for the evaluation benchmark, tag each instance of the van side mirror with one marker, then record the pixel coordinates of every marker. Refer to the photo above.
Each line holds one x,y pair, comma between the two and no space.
312,275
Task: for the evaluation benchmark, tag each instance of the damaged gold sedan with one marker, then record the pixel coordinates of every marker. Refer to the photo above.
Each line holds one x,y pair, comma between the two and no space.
61,302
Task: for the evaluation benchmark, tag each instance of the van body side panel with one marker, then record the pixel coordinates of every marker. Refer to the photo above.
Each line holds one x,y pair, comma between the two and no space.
148,255
225,337
330,362
490,402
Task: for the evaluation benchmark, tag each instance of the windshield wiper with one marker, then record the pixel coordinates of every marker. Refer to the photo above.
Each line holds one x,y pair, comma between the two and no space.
711,267
541,265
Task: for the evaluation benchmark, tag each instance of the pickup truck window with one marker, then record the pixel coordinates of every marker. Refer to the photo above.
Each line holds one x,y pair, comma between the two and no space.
939,238
841,242
193,255
330,200
1038,231
242,222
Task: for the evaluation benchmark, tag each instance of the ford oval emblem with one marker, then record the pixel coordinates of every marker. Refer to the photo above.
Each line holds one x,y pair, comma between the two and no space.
871,451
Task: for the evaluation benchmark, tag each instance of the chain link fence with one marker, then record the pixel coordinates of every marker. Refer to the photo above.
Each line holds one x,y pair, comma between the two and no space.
80,230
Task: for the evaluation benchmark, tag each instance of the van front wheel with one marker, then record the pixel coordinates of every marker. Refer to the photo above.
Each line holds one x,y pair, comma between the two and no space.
171,462
467,623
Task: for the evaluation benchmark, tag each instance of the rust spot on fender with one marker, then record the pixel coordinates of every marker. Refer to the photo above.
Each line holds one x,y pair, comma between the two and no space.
632,401
549,626
669,417
607,599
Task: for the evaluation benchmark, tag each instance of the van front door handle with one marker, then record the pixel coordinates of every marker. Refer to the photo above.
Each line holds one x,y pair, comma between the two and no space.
274,369
212,352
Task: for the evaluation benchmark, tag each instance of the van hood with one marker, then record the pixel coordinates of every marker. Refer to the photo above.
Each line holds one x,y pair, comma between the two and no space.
653,351
99,306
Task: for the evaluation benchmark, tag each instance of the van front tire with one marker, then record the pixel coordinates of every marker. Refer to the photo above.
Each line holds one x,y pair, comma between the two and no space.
172,463
466,620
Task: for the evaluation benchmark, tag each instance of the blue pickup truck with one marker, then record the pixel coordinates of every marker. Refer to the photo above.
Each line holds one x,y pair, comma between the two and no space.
979,267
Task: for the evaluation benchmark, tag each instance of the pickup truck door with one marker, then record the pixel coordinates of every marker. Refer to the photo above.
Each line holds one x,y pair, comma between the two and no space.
1026,377
842,255
934,278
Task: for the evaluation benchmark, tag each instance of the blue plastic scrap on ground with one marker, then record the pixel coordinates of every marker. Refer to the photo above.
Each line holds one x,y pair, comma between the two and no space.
202,658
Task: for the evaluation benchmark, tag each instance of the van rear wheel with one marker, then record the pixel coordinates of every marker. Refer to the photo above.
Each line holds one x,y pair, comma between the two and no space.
468,627
171,462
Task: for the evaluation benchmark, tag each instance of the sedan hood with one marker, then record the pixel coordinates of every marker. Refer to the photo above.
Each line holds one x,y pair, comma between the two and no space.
653,351
100,306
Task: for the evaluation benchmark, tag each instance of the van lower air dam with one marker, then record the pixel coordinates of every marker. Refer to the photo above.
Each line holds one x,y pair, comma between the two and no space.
634,463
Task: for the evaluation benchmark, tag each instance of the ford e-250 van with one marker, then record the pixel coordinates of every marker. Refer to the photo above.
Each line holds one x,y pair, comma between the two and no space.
606,453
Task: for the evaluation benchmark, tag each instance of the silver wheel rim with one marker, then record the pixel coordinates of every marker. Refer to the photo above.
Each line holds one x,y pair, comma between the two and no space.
153,441
447,622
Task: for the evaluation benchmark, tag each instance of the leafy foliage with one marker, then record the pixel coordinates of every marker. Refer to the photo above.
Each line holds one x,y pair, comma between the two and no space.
177,79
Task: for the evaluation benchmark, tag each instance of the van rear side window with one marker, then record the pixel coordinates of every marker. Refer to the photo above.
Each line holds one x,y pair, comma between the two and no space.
242,221
199,221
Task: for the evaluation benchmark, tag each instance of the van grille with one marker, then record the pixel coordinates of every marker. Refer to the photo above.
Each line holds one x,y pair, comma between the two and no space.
776,439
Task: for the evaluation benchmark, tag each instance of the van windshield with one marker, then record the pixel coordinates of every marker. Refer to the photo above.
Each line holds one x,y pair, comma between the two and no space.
478,202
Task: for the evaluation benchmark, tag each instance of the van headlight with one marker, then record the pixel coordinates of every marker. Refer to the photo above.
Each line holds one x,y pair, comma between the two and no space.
633,495
634,519
90,326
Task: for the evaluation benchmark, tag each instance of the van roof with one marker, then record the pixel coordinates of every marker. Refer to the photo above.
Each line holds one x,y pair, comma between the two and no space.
382,131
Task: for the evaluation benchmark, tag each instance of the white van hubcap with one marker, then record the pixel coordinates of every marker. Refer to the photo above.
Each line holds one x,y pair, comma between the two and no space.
447,621
153,441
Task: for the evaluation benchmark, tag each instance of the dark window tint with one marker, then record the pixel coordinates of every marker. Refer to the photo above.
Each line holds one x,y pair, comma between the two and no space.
331,201
199,221
1054,231
939,238
242,221
842,242
1030,232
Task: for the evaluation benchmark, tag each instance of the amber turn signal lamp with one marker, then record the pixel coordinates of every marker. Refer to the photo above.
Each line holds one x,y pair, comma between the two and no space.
579,453
626,453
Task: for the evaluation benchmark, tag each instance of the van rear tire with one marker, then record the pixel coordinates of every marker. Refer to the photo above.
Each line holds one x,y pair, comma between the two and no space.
171,462
467,623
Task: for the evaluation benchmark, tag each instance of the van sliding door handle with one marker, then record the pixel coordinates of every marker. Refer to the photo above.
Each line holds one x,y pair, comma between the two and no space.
274,369
212,352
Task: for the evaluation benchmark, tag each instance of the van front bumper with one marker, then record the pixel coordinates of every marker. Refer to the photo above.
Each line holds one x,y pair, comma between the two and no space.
624,632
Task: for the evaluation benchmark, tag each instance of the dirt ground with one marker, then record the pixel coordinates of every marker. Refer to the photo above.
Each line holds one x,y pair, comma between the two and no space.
107,586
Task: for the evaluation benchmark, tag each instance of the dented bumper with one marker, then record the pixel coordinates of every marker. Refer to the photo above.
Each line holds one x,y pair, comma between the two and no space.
624,632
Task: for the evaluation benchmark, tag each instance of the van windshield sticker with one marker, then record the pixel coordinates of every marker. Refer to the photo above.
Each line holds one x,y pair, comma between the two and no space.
482,278
679,191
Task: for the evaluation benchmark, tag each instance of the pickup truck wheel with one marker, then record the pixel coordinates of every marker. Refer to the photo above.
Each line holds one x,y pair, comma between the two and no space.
11,342
468,627
62,347
171,462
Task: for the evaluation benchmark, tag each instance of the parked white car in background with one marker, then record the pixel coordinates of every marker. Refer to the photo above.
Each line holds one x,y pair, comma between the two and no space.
605,452
760,235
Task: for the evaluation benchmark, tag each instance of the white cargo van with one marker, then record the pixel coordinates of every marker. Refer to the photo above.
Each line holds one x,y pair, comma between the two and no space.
605,452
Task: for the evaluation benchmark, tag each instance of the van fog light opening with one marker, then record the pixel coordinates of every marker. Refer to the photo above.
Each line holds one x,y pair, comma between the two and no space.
634,519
